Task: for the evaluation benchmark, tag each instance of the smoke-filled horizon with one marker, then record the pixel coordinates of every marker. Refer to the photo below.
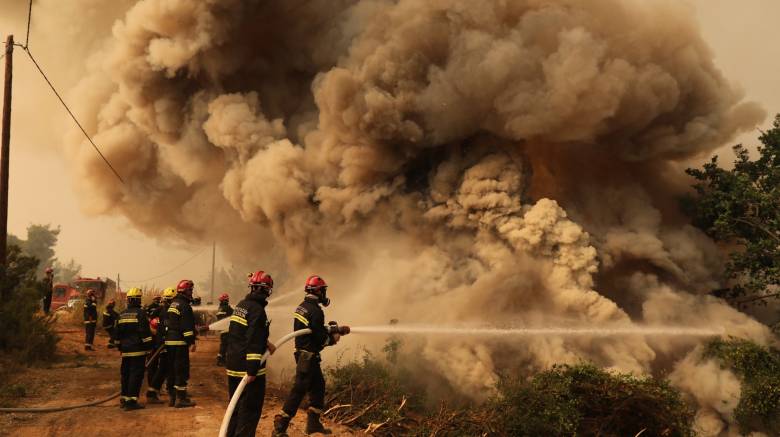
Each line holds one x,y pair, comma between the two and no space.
440,161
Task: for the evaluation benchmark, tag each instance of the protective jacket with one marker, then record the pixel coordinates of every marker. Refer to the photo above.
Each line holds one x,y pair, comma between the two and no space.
224,310
90,310
133,333
153,310
159,337
247,337
180,323
310,315
110,317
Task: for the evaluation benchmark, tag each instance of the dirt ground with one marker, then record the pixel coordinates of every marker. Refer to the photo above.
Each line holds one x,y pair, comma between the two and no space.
82,376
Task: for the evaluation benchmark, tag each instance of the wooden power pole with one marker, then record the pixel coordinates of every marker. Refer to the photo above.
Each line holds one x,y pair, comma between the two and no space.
5,152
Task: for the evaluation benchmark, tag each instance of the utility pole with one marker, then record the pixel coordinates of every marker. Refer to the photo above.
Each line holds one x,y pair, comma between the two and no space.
6,148
213,264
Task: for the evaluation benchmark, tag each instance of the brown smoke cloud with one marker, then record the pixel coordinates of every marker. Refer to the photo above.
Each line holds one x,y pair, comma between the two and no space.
502,162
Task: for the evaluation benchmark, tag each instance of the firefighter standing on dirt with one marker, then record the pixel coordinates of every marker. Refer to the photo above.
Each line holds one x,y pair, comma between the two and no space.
180,336
160,372
135,341
224,310
308,373
90,319
110,317
247,342
48,286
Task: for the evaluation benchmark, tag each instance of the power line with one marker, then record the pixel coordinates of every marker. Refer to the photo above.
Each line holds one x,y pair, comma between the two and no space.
75,120
26,48
169,271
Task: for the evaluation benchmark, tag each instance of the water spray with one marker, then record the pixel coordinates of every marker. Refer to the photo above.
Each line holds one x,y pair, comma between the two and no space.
637,330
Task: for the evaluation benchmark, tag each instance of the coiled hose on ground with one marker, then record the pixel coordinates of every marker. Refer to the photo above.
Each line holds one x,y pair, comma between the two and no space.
234,400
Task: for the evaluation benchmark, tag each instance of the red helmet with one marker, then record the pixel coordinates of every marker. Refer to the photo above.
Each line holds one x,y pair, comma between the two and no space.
154,323
261,281
315,283
111,303
224,297
185,286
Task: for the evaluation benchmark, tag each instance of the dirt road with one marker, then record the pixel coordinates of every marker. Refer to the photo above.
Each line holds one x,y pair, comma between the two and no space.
84,376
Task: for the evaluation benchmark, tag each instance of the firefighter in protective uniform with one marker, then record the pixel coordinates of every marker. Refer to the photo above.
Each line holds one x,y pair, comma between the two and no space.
180,338
224,310
247,342
135,341
90,319
160,374
308,373
110,317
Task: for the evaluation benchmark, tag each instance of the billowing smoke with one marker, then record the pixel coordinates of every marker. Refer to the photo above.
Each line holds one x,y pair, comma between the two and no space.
502,162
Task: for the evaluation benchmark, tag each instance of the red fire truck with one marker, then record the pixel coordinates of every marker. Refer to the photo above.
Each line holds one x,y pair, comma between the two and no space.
68,294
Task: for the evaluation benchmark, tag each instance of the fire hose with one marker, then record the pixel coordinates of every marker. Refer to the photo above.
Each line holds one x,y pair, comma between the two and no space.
234,400
73,407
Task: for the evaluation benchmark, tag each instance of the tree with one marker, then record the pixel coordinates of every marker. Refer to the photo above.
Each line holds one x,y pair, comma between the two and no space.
740,208
66,272
39,244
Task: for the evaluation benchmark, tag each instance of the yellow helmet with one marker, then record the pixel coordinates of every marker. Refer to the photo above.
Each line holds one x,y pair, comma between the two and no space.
169,293
134,292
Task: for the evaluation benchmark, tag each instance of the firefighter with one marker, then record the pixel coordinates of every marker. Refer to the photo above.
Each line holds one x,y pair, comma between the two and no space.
154,308
110,317
224,310
90,319
308,373
180,338
247,342
48,285
135,341
160,374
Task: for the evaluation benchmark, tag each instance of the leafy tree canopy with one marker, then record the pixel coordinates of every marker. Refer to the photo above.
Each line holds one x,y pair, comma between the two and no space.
740,207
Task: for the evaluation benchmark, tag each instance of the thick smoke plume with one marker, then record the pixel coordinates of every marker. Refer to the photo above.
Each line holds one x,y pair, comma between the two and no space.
502,162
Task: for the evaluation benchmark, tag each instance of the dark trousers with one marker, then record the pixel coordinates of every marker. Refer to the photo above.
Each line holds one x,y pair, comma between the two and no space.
246,416
179,366
161,373
89,336
223,344
111,335
132,372
47,303
308,380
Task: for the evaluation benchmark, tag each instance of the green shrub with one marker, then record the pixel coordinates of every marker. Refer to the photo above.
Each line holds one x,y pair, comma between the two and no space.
586,400
580,400
759,369
25,333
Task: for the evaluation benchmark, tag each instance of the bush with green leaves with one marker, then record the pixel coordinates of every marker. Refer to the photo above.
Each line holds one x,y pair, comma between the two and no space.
382,397
759,369
25,333
586,400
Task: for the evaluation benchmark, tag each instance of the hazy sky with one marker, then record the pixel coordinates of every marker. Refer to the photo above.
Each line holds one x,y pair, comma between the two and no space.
742,34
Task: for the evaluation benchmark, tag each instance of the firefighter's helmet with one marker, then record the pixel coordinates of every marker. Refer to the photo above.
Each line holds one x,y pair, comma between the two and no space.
185,286
134,293
90,292
317,286
110,303
169,293
224,297
262,282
